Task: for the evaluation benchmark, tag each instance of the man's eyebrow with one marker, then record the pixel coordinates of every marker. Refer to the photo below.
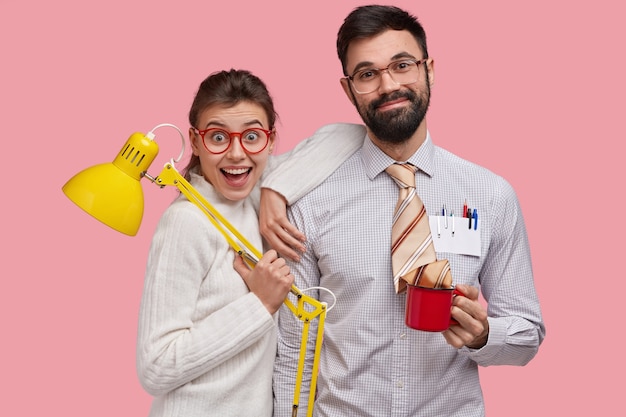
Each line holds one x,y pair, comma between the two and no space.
402,55
361,65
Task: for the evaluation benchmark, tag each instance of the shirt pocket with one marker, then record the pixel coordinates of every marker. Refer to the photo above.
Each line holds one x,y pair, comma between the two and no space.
465,268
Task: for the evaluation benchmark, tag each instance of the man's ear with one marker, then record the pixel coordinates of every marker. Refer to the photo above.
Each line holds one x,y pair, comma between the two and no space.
345,84
430,67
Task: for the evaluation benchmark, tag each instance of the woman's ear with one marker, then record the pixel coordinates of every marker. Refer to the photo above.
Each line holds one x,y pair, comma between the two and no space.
272,141
194,140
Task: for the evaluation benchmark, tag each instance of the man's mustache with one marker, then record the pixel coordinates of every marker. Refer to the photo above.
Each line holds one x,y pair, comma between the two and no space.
409,95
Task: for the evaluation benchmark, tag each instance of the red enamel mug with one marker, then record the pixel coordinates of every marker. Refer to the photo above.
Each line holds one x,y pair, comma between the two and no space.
428,309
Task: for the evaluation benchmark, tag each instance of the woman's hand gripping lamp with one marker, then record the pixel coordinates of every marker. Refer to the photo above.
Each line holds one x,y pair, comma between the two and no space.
111,193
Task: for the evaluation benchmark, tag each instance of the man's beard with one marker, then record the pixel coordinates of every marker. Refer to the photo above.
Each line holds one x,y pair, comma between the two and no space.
398,125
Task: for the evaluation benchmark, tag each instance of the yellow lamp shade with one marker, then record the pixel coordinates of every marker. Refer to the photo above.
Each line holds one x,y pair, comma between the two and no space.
111,192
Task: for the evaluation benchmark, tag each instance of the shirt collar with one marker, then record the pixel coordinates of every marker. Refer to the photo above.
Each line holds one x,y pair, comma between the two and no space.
376,161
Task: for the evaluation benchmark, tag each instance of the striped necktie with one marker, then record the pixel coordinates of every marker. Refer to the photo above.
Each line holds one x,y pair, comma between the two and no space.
413,254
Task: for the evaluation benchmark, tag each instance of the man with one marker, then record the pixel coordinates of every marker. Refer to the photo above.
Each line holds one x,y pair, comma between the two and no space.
372,364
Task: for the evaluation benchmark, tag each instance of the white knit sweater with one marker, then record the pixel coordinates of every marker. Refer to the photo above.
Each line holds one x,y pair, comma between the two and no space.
206,345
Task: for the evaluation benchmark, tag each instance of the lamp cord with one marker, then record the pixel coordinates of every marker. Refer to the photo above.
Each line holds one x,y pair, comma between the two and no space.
182,137
324,289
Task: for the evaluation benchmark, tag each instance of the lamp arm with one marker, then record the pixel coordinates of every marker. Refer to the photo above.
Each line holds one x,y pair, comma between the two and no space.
306,308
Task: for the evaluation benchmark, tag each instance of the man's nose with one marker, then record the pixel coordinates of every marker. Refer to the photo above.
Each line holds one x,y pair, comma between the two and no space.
387,84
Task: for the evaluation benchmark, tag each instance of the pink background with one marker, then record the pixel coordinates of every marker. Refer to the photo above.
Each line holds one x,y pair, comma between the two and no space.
533,90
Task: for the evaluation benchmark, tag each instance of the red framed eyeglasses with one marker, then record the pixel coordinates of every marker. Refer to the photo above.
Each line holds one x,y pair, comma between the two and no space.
218,140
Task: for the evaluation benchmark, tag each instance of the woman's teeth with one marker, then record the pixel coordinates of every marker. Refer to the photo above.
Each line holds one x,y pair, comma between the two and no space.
237,171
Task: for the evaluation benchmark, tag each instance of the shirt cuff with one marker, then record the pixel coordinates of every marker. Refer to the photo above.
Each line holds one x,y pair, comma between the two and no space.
496,340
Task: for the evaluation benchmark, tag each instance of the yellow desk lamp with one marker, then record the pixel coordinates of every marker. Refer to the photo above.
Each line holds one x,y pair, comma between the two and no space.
111,193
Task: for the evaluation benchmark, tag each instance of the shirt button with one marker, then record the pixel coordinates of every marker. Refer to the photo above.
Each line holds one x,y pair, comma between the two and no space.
399,384
402,335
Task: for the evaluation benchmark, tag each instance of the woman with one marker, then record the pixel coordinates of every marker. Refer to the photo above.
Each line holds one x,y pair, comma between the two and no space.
207,337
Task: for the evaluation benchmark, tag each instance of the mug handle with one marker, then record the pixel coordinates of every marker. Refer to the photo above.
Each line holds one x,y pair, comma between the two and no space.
454,294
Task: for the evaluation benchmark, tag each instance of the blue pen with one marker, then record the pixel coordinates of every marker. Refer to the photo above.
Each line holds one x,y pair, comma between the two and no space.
444,213
475,217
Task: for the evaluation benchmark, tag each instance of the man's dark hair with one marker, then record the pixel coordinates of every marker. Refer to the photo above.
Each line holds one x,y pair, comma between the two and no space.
367,21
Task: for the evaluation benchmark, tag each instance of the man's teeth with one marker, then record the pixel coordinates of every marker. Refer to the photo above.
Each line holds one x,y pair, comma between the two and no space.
237,171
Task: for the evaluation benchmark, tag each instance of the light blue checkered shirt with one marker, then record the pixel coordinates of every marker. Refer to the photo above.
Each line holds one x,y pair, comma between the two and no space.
371,363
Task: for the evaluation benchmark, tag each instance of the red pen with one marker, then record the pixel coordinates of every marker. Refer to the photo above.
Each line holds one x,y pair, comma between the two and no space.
465,209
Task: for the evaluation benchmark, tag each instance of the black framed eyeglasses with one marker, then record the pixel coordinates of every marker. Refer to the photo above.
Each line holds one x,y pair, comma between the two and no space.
218,140
402,72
